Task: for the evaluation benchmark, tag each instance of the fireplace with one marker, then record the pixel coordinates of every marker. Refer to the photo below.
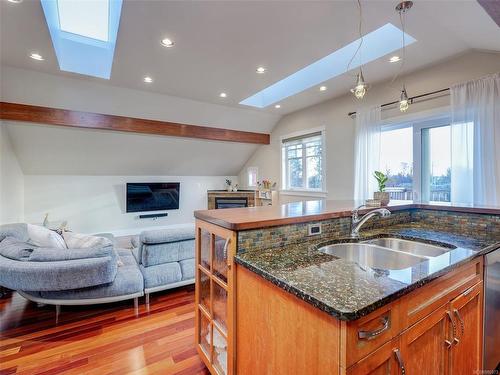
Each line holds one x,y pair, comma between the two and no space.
231,202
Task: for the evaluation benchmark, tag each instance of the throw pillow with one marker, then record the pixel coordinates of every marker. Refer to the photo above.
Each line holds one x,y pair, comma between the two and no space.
44,237
84,241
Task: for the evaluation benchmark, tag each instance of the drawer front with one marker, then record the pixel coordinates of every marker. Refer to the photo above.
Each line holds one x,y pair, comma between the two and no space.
365,335
423,301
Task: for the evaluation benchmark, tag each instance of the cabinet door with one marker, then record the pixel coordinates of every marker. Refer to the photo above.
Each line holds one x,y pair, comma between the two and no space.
383,361
466,353
215,249
425,346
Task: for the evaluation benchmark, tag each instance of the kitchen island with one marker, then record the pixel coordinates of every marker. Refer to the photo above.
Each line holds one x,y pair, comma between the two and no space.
287,307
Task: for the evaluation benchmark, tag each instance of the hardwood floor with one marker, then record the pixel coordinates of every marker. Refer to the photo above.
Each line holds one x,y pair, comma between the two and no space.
102,339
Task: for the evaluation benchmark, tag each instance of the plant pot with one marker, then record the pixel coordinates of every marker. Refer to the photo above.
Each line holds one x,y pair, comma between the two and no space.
383,197
229,188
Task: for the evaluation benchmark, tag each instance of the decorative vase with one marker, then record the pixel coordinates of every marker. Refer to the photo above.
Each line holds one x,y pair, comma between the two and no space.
229,188
235,188
382,196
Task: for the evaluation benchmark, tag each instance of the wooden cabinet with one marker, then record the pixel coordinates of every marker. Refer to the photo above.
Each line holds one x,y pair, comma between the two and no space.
435,329
466,352
383,361
426,345
214,315
447,341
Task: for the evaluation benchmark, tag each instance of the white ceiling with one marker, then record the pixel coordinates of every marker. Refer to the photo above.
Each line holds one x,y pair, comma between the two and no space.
54,150
219,44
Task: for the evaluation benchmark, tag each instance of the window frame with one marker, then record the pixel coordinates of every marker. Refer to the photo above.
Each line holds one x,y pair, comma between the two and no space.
419,121
304,191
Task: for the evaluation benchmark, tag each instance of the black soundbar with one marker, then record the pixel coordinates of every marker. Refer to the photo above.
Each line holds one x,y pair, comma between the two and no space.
153,216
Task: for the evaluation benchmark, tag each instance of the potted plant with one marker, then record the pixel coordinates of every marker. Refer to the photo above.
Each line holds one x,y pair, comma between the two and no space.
381,195
229,184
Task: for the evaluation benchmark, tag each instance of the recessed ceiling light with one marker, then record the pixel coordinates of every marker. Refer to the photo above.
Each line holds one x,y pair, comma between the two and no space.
148,79
394,59
223,95
261,70
15,1
36,56
322,88
167,42
277,106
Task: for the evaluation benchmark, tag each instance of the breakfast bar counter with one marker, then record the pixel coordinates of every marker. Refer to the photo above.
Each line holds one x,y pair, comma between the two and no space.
278,286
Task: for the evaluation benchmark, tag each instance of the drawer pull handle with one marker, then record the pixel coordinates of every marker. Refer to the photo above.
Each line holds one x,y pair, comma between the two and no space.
401,364
454,328
368,335
462,325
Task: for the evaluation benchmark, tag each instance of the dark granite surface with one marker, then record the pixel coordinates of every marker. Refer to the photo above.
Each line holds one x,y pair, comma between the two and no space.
347,290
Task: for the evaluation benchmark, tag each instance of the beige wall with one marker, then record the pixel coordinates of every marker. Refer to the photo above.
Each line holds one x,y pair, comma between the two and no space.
11,182
332,115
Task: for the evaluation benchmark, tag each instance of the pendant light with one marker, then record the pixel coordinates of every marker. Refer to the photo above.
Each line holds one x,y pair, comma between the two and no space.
402,8
359,90
403,100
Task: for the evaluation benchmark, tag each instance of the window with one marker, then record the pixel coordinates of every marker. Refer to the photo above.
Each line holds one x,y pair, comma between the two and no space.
436,163
396,161
303,162
417,160
252,173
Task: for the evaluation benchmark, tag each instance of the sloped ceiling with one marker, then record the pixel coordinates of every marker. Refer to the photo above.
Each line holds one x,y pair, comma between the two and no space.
219,44
53,150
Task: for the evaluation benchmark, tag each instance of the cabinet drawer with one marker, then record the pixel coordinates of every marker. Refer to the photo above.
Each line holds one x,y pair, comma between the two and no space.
421,302
365,335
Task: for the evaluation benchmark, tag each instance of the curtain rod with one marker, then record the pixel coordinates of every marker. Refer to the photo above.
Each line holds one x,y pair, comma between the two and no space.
411,99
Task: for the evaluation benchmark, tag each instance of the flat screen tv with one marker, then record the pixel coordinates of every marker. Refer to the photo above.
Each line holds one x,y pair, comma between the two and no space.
157,196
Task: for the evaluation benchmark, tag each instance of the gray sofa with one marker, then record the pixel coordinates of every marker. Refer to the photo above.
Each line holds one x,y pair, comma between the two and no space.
166,258
162,260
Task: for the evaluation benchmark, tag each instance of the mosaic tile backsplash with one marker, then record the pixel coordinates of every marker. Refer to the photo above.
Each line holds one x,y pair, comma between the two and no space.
454,222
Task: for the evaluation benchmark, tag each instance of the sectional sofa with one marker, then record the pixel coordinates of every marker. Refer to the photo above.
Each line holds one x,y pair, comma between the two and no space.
160,260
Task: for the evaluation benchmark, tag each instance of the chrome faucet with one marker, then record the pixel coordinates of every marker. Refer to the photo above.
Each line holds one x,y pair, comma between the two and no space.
357,222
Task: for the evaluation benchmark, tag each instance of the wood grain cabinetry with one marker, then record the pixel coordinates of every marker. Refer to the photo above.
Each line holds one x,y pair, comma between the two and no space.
423,346
436,329
382,361
247,325
447,341
214,314
466,309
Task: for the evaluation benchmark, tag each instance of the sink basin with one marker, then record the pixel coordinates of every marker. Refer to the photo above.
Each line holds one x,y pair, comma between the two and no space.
410,247
371,255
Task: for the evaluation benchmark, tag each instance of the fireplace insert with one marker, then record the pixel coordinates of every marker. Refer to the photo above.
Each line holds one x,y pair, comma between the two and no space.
231,202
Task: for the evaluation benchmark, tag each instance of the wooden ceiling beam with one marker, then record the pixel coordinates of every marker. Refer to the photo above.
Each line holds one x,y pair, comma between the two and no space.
89,120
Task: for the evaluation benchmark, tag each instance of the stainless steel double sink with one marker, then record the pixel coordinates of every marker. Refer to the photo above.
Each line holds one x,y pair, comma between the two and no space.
385,253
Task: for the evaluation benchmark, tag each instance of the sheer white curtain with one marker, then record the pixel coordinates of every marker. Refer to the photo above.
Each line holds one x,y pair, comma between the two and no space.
367,151
475,109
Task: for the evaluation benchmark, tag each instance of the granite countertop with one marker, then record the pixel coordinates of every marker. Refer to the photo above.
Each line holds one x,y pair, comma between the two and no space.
348,291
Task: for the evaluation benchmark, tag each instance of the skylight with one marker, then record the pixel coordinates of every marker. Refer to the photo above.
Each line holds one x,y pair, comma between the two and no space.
89,18
376,44
84,34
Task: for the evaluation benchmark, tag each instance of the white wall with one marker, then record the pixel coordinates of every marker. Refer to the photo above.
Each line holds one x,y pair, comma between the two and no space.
11,182
93,204
340,128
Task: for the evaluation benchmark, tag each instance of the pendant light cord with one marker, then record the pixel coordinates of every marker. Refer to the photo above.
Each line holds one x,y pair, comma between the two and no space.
360,33
402,20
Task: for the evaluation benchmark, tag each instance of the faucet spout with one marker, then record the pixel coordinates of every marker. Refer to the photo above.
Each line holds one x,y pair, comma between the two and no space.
357,223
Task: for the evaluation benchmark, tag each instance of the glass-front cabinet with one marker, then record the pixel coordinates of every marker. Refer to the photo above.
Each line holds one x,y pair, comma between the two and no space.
215,249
